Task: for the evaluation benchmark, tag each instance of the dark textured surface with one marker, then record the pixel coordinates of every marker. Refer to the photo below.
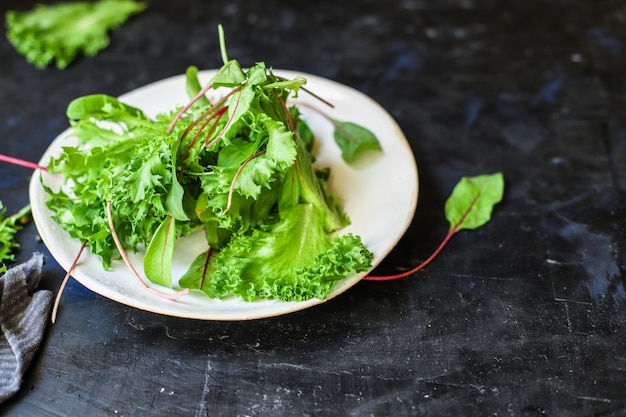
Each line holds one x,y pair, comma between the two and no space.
524,317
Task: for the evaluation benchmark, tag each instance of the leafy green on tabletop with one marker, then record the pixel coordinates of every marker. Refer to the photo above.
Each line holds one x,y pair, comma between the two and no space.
9,226
469,207
472,201
58,33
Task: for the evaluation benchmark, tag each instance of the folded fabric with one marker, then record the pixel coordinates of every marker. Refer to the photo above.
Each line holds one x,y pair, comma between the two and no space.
24,313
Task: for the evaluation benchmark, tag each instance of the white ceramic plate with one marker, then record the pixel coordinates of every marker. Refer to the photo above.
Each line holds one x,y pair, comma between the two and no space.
380,198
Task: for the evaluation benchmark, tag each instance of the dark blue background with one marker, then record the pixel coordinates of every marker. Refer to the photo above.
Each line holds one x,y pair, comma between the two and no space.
523,317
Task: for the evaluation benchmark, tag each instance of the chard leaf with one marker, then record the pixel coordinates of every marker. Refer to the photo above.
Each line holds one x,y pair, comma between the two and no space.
99,119
239,105
354,140
199,271
237,151
193,87
472,200
101,106
174,201
176,194
157,261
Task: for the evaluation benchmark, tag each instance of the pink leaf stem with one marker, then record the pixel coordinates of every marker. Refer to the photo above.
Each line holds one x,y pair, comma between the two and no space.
187,106
21,162
311,93
453,230
451,233
69,272
217,115
205,114
229,121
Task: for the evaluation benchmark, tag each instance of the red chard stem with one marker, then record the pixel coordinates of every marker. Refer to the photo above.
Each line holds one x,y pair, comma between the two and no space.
21,162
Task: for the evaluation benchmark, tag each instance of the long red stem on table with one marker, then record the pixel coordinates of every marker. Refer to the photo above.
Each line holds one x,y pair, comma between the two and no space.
451,233
130,266
69,272
421,266
21,162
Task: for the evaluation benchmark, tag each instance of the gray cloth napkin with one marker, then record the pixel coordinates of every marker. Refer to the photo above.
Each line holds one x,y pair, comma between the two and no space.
24,314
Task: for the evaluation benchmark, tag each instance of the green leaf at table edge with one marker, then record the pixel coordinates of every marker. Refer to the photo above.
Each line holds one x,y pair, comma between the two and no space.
472,200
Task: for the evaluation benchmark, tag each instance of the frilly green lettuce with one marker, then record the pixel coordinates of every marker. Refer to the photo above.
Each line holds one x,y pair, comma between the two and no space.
57,34
293,259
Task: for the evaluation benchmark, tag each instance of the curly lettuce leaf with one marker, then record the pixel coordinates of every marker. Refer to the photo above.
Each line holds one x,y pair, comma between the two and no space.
9,226
133,167
293,259
57,34
242,189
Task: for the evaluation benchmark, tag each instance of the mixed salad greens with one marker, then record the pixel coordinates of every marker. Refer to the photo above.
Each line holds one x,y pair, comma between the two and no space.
239,167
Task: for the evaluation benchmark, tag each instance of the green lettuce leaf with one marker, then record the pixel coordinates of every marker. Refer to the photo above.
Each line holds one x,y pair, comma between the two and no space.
9,226
58,33
291,260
